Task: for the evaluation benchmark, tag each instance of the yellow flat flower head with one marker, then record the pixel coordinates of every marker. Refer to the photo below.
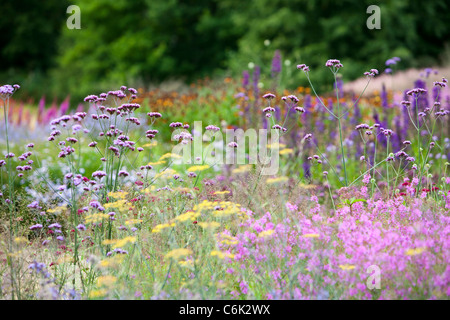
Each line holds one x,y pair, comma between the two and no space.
277,180
346,266
198,168
310,235
414,252
178,253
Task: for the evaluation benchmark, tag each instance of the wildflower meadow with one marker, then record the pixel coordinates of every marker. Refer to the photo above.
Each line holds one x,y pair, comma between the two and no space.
228,191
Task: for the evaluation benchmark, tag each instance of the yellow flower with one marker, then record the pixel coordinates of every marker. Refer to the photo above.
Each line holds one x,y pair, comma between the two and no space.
98,293
221,255
189,215
97,217
156,163
106,281
119,204
306,186
198,168
160,227
149,189
276,145
165,174
286,151
118,195
310,235
209,225
112,261
56,209
21,240
170,155
107,242
123,242
228,240
265,233
242,169
178,253
219,208
151,144
413,252
133,221
346,266
186,263
277,180
222,192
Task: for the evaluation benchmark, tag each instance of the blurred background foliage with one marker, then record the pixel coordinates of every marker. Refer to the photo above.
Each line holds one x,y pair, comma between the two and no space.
144,42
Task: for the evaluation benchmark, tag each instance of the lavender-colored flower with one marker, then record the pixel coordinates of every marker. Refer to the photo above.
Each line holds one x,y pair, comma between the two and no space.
303,67
278,127
175,124
212,128
269,96
154,115
95,204
36,226
81,227
416,91
390,62
123,173
91,98
99,174
268,110
34,205
37,267
362,126
120,251
54,225
245,78
255,79
276,64
192,175
371,73
334,64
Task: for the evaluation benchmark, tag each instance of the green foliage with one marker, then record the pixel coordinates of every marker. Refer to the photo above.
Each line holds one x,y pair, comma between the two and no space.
313,31
29,31
146,41
141,42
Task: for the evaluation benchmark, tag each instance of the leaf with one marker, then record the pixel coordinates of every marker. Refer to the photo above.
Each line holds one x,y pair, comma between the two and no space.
357,200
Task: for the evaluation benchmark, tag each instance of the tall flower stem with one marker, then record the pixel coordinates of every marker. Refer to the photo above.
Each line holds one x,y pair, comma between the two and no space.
340,130
11,195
